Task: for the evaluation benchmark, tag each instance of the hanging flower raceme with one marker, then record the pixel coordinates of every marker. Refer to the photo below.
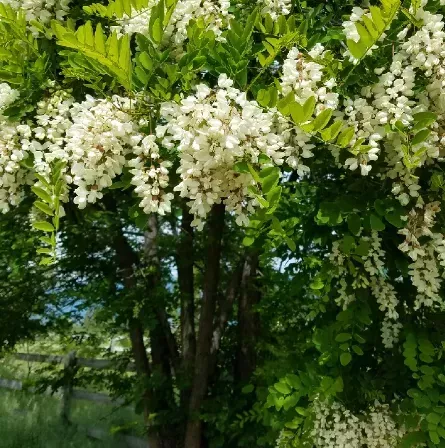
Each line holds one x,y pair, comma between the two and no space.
12,175
42,10
150,177
100,138
213,130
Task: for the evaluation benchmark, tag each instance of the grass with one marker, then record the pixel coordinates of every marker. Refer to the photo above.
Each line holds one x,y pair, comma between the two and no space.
30,421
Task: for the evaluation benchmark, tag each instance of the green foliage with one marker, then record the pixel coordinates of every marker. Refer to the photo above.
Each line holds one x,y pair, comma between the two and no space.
233,55
427,398
413,137
117,8
372,28
110,54
49,191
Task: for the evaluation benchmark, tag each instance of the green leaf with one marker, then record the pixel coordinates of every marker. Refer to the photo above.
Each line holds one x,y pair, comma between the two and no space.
345,359
248,389
42,194
317,284
44,250
297,113
282,388
376,223
248,241
156,31
271,180
332,131
373,27
420,137
309,107
321,120
343,337
294,381
44,208
301,411
432,417
359,339
347,243
241,167
285,104
363,248
412,439
43,225
394,218
354,223
290,244
42,180
434,437
254,173
46,240
357,350
430,117
113,58
345,137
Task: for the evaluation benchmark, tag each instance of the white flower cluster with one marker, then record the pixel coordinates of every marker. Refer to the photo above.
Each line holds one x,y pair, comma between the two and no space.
12,175
137,23
349,26
424,269
393,99
383,291
42,10
96,138
339,260
276,7
150,176
306,78
101,136
213,130
304,75
215,14
337,427
372,277
46,140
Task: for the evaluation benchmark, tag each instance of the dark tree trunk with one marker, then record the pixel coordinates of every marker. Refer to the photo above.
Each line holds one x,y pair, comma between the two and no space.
127,261
248,321
225,308
185,262
202,361
164,353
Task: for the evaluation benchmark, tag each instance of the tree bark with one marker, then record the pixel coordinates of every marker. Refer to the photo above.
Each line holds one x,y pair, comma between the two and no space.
164,351
248,321
127,260
202,361
185,261
226,305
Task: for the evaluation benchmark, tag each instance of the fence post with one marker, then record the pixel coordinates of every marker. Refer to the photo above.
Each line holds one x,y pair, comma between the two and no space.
69,372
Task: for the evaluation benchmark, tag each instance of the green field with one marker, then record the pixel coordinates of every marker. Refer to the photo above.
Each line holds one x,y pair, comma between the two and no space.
32,421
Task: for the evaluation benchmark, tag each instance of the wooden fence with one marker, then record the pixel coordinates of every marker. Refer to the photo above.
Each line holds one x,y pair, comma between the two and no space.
70,365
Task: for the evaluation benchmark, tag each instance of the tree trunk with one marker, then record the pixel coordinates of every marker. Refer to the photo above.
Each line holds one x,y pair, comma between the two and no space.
127,260
225,308
248,322
202,361
164,352
185,262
